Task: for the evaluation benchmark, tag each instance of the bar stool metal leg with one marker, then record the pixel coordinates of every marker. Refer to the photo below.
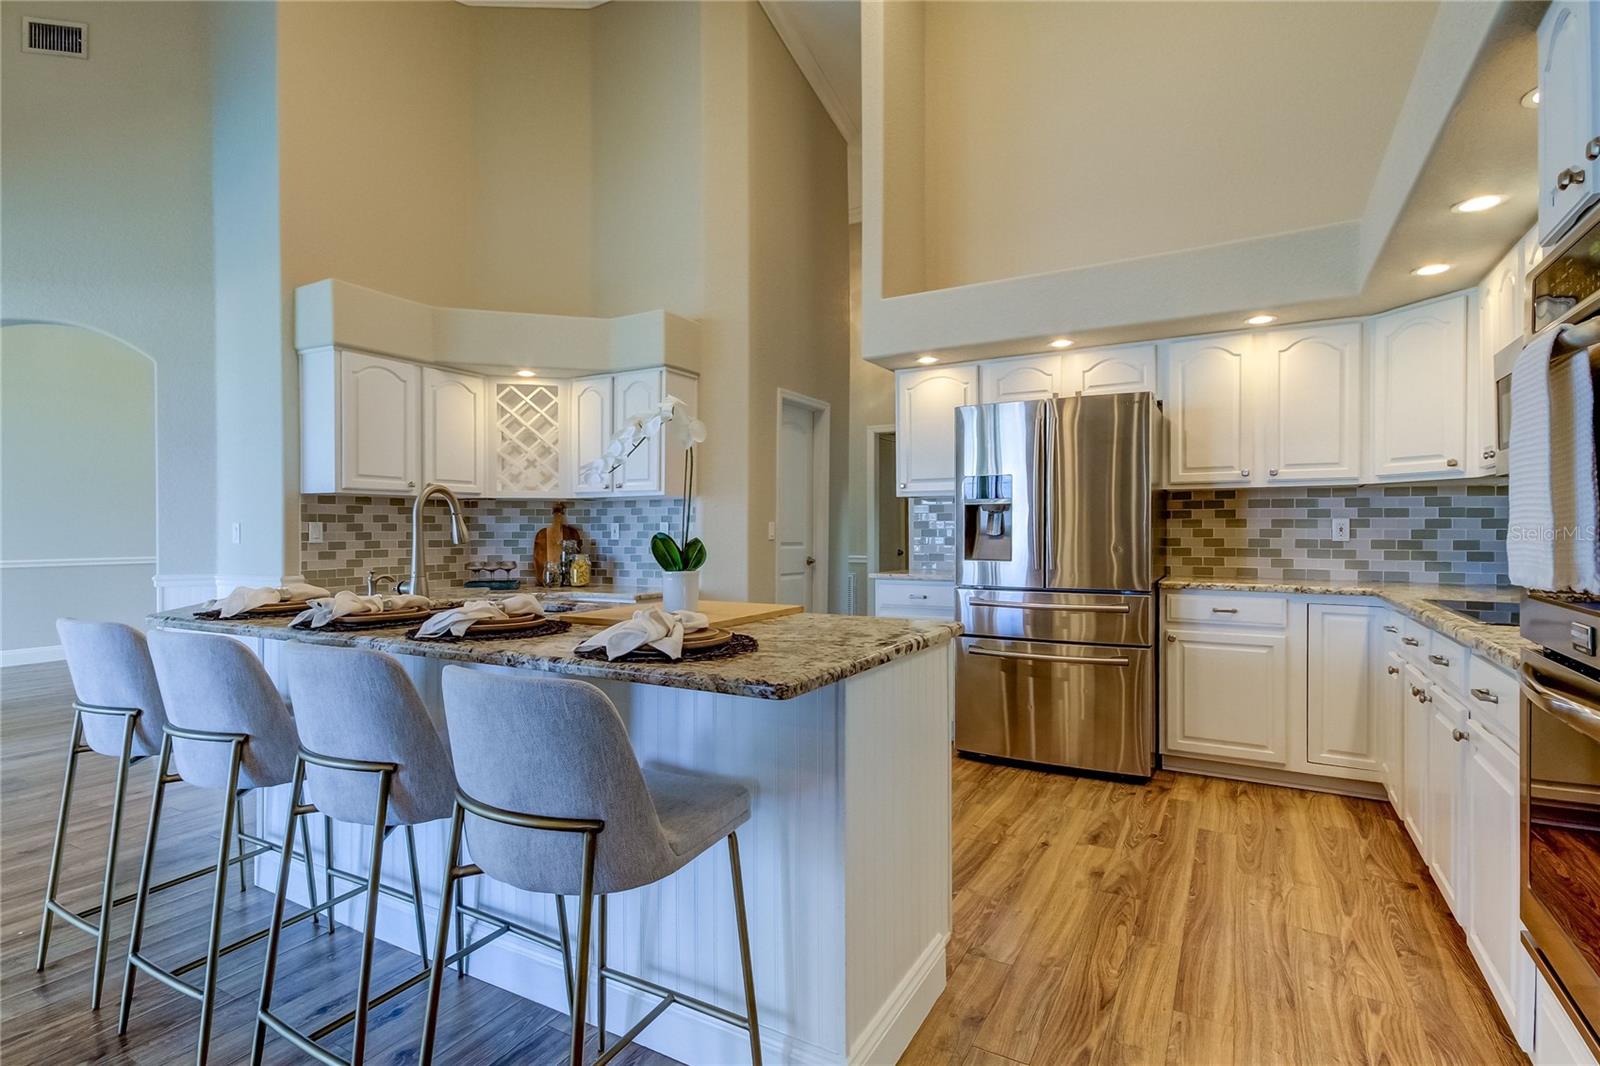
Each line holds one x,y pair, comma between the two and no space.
75,747
744,949
142,893
358,1043
580,984
238,837
327,861
416,895
275,925
208,994
600,985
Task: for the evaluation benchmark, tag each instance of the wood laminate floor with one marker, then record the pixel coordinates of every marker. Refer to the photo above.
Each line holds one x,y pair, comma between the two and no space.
1198,921
45,1017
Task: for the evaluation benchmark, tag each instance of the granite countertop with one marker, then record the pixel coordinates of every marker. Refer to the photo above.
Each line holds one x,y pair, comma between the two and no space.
944,577
797,653
1501,644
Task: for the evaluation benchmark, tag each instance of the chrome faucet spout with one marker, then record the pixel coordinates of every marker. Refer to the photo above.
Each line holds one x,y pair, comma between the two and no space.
417,583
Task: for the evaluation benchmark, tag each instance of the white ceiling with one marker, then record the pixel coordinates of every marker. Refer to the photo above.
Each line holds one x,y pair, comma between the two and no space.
824,36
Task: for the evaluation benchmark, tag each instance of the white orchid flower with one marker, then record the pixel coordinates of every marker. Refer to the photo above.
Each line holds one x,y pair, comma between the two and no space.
670,405
696,431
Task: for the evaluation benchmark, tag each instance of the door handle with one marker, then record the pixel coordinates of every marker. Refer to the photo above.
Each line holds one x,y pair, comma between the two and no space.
1076,660
1085,608
1483,695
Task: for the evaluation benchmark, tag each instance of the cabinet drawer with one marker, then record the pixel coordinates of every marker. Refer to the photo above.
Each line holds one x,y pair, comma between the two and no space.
1447,662
1492,698
1233,608
929,597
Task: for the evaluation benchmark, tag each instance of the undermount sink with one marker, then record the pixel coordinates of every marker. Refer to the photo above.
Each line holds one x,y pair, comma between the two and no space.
1489,612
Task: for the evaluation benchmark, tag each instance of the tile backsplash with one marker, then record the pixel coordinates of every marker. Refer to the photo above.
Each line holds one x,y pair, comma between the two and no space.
933,533
362,533
1447,534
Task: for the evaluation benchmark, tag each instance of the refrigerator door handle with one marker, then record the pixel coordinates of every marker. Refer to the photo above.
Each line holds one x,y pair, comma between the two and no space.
1091,608
1078,660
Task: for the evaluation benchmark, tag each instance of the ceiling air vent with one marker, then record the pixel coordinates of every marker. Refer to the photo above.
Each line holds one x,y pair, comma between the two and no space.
56,38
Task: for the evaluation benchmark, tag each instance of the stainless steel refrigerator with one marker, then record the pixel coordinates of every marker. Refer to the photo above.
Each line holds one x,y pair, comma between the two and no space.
1057,582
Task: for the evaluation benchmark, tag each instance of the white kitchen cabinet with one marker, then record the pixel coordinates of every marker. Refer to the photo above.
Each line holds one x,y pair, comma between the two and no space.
454,435
602,404
360,423
925,426
1226,693
1341,723
529,429
913,598
1556,1040
1446,764
1125,368
1027,377
591,431
1311,399
1489,838
1210,410
1419,411
1391,725
1500,300
1414,742
1569,115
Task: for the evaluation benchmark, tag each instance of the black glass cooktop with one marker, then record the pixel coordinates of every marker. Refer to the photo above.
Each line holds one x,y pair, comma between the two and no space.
1492,612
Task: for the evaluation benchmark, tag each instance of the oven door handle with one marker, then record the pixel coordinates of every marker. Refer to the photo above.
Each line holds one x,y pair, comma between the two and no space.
1090,608
1581,716
1076,660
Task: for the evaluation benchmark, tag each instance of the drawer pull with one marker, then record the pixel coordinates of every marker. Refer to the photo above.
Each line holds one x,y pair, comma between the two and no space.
1412,641
1224,610
1391,629
1438,660
1393,670
1076,660
1088,608
1457,735
1483,695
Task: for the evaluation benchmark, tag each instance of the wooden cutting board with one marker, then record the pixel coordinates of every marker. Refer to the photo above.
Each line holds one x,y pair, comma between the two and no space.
723,614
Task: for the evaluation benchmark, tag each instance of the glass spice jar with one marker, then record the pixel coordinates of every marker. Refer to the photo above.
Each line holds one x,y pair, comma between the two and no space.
581,570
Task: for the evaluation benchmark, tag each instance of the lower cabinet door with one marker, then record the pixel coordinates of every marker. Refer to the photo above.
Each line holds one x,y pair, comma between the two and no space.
1392,726
1446,756
1489,805
1227,694
1341,726
1414,757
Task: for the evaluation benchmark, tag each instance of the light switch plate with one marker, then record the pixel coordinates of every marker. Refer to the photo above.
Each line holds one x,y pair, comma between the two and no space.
1340,529
616,531
313,532
238,533
772,531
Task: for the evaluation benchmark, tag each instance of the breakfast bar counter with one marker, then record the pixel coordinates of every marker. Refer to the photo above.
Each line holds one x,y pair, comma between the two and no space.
840,727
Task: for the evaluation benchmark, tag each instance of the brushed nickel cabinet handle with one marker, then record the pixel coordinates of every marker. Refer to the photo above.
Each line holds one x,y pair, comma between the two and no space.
1391,629
1171,639
1224,610
1592,149
1415,691
1245,472
1423,697
1412,641
1393,670
1570,177
1489,453
1457,735
1451,462
1483,695
1272,472
1438,660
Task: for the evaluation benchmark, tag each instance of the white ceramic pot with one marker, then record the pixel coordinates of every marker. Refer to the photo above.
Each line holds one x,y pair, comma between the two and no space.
680,590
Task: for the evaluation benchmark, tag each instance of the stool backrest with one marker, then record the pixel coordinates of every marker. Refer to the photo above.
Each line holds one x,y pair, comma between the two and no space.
110,667
352,703
555,748
213,683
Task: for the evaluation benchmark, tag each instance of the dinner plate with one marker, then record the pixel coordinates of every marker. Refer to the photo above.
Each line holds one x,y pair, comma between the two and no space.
507,625
706,638
385,618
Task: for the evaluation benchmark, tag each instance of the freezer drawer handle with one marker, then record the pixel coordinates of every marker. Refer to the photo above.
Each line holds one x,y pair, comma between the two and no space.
1077,660
1580,716
1092,608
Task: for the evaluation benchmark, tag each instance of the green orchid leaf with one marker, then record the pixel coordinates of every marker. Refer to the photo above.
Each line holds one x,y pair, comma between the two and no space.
665,549
694,555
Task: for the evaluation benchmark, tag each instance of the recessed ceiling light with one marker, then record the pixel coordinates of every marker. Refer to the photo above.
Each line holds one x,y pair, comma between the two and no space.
1478,203
525,373
1061,342
1428,270
1530,99
927,360
1261,320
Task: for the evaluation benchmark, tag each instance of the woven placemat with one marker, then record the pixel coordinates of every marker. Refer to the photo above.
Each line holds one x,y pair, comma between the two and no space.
737,645
548,628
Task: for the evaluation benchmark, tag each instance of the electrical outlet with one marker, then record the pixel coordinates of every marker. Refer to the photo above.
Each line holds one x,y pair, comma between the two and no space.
313,532
616,531
238,533
1339,529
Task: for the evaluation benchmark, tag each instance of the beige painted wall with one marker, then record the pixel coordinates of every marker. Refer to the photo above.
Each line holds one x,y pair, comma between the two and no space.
106,215
871,404
799,287
77,479
1098,120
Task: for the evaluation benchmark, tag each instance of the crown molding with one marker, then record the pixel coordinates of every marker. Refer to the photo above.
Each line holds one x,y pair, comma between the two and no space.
847,123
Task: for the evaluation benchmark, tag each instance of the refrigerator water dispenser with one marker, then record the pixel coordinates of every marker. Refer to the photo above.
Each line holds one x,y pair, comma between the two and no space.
987,518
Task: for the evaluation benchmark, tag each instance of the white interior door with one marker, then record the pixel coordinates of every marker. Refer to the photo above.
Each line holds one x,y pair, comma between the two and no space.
797,556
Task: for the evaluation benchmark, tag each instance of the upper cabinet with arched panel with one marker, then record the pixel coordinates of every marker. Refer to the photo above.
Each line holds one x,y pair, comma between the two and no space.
1569,115
1311,402
1210,410
1025,377
360,423
1126,368
453,432
1418,416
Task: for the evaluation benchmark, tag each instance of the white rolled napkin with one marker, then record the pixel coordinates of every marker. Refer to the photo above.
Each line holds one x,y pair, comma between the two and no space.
460,619
656,626
248,598
323,611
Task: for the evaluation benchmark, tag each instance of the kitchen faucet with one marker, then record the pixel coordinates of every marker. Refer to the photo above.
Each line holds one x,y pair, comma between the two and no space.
417,583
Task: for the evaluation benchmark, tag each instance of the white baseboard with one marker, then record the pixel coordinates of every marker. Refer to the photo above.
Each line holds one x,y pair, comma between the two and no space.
1267,775
51,653
888,1035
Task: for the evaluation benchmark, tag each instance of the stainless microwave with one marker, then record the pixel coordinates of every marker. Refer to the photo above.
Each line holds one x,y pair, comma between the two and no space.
1564,288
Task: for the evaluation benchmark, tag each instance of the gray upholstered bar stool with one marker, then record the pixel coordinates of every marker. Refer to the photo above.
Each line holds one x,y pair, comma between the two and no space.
227,729
558,803
370,755
117,713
